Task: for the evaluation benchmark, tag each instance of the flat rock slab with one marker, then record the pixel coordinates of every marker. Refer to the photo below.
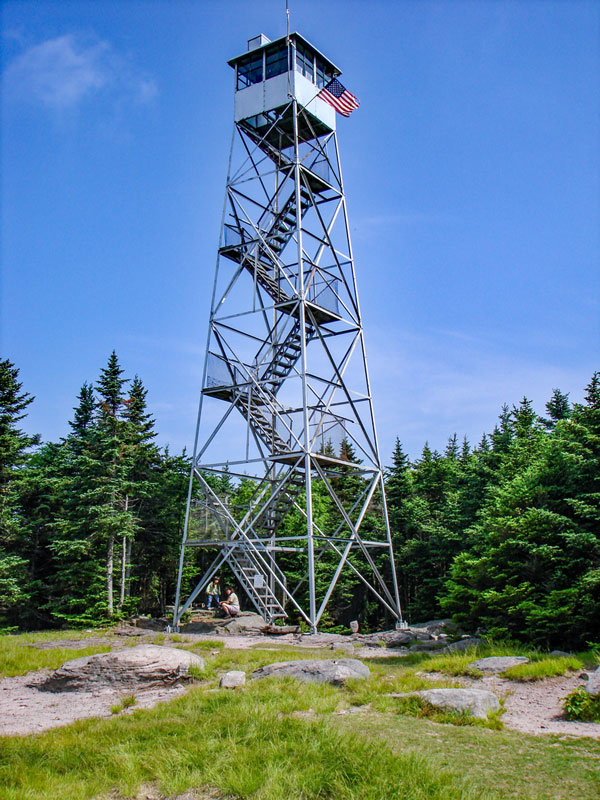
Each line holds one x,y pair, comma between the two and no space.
245,622
476,702
335,671
144,665
498,663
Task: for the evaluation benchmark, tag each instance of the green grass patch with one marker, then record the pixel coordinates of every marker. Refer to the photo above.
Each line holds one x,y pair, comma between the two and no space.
203,646
17,657
543,668
125,702
500,764
251,744
245,744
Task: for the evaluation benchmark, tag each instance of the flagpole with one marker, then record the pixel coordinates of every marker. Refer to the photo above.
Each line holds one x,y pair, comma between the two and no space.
287,41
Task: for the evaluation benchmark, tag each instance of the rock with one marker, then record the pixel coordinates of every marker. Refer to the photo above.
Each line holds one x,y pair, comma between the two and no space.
476,702
559,654
421,635
279,630
400,639
426,647
354,626
233,679
136,667
498,663
462,644
434,626
246,622
592,685
149,623
335,671
347,647
300,714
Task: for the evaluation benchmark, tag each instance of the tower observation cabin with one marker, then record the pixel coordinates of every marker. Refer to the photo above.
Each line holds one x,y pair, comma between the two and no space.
286,488
272,72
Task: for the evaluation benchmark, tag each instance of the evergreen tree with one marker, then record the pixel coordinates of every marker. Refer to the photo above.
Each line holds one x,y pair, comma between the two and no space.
558,407
534,572
14,447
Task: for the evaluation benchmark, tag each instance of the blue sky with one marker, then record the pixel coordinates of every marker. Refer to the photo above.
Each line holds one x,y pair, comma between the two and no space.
472,175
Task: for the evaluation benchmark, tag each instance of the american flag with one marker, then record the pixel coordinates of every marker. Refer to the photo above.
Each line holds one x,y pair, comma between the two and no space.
339,97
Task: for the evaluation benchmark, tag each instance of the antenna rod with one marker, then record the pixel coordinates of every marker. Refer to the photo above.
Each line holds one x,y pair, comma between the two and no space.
287,14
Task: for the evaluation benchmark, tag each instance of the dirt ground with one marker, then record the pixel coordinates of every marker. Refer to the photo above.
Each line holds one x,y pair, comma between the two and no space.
533,708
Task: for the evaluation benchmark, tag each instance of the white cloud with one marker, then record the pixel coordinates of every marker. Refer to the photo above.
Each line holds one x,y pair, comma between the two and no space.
63,72
431,385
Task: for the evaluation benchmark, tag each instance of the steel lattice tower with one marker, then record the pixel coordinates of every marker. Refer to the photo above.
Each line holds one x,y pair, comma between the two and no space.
286,385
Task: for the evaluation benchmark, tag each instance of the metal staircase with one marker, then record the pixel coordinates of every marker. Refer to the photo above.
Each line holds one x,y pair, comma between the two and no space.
259,253
250,570
285,357
261,424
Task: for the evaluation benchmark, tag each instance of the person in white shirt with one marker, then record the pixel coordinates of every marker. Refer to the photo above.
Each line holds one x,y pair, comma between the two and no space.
231,604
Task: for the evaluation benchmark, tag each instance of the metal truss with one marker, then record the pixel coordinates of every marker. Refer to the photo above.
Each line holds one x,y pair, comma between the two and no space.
286,390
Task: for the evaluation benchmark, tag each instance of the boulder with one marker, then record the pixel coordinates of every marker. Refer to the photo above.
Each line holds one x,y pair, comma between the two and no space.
233,679
592,685
434,626
347,647
150,623
427,647
246,622
476,702
462,644
136,667
559,654
400,639
279,630
335,671
498,663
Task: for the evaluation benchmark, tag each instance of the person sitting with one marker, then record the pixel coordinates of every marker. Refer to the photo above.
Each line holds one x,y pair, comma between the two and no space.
213,592
231,605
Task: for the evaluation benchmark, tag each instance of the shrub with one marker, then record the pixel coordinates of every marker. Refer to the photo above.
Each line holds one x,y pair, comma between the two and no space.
582,706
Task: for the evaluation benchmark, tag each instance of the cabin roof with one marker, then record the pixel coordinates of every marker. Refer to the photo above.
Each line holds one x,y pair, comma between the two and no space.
297,37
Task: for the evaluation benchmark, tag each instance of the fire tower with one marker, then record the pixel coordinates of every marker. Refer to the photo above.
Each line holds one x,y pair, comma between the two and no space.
285,392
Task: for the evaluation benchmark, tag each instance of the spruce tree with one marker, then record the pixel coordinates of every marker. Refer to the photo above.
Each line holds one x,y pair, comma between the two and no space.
14,447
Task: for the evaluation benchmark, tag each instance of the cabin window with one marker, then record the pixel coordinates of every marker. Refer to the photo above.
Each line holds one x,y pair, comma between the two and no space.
324,74
305,62
250,70
276,60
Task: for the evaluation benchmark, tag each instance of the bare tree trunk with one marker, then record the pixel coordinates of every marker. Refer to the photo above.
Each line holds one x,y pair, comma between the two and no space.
109,573
125,551
128,570
123,562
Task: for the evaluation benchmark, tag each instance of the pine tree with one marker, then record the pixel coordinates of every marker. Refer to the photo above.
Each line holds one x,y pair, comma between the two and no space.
534,572
558,407
141,457
14,447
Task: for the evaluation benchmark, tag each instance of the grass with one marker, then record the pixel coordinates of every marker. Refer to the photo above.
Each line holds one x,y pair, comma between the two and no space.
251,743
499,764
543,668
244,743
125,702
17,657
